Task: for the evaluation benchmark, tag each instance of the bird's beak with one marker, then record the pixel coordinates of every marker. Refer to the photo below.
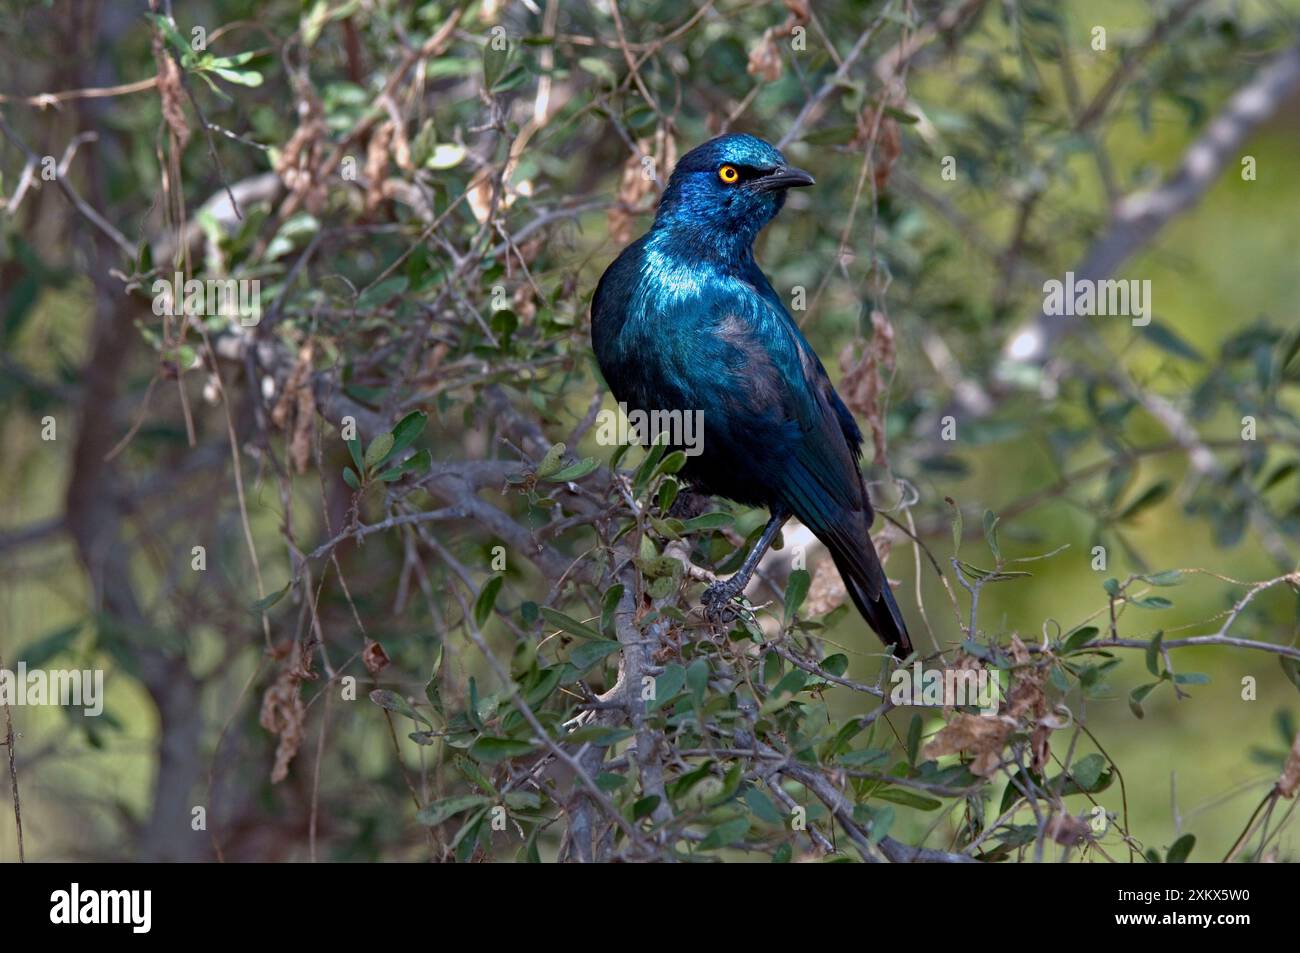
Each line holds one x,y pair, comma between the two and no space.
783,179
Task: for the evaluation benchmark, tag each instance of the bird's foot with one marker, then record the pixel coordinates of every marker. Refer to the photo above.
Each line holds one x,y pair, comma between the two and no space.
717,601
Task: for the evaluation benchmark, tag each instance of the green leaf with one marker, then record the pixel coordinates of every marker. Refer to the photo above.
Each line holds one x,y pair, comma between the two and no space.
683,784
1079,638
431,689
351,479
547,681
470,771
551,462
251,78
991,521
416,463
1138,695
261,605
404,434
523,800
1290,347
588,654
903,117
599,736
725,834
490,750
358,459
956,524
1087,771
52,644
609,606
168,29
672,463
907,798
1012,793
515,76
608,781
391,701
697,678
708,521
796,590
913,739
467,838
1290,668
1165,338
446,155
487,598
598,68
878,819
1153,653
1283,470
436,813
730,785
762,807
570,625
836,664
471,711
1092,769
381,293
791,683
378,450
667,496
864,757
648,467
494,62
1180,849
239,59
1145,500
669,683
575,471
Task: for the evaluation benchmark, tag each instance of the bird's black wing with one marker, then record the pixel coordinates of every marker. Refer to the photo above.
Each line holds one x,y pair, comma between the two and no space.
813,467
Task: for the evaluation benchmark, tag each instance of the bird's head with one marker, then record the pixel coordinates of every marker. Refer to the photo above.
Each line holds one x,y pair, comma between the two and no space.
727,189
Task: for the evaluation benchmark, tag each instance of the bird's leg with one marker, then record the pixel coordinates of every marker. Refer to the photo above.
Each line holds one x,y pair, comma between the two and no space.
718,595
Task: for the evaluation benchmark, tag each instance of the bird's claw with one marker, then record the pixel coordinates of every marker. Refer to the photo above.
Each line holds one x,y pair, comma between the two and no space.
716,602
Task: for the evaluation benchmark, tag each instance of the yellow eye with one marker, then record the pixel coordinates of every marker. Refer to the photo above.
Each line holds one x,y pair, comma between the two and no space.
729,174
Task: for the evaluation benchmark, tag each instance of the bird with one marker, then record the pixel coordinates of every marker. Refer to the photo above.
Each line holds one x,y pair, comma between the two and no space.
684,320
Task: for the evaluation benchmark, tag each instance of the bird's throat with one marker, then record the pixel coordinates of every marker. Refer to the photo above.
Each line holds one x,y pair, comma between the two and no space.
703,245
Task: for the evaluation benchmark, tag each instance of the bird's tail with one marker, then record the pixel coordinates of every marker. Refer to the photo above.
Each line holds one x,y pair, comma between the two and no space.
881,611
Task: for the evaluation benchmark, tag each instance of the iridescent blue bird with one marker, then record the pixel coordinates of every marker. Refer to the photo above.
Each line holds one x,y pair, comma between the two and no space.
684,320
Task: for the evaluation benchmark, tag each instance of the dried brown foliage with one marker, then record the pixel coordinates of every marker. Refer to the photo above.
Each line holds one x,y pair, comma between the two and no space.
299,162
295,411
864,386
984,737
765,57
